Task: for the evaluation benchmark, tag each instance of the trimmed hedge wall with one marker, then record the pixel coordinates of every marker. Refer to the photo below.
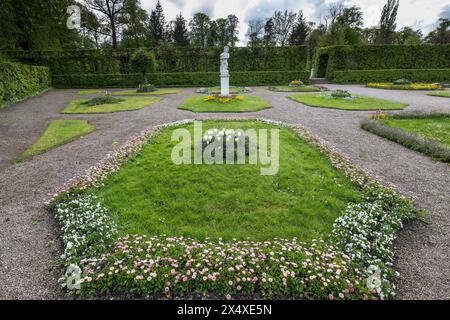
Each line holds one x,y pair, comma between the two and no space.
19,81
168,59
183,79
381,57
415,75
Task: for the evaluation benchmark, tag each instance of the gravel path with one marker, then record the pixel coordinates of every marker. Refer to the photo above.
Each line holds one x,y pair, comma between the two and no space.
29,234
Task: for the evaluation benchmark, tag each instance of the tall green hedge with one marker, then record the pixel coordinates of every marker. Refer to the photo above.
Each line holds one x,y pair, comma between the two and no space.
179,79
381,57
19,81
168,59
416,75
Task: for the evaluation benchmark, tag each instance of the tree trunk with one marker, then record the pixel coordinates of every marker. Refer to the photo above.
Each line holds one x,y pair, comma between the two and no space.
113,34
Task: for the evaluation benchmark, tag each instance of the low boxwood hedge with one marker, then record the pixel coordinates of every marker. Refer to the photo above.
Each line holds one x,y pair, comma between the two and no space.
415,75
19,81
179,79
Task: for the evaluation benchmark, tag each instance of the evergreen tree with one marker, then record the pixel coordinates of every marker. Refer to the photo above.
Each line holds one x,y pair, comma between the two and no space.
157,25
179,32
386,33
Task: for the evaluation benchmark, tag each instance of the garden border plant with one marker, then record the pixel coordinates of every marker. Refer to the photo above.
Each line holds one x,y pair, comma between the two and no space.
412,141
159,266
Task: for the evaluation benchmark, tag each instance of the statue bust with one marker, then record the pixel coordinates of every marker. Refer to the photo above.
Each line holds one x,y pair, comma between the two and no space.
224,62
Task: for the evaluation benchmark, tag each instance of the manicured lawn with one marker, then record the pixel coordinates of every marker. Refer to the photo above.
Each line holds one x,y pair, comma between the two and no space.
295,89
249,104
57,133
324,100
90,91
444,94
151,195
131,103
134,93
437,129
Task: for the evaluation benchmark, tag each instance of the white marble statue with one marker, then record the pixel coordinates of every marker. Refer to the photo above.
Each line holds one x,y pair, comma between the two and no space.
224,74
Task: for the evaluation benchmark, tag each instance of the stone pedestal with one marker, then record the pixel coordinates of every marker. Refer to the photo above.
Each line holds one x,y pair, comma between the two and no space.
224,85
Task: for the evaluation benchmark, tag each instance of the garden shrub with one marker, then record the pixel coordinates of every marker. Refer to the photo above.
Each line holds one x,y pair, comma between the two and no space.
143,62
146,88
381,57
341,94
416,75
107,99
19,81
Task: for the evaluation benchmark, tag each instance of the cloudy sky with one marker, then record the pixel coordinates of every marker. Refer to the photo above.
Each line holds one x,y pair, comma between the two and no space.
421,14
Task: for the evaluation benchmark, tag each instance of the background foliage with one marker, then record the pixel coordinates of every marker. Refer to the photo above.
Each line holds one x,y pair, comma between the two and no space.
381,57
168,59
18,81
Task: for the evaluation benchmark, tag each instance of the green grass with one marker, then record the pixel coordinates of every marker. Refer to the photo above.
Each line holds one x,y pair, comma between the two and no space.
131,103
295,89
90,91
151,195
134,93
249,104
437,129
444,94
57,133
324,100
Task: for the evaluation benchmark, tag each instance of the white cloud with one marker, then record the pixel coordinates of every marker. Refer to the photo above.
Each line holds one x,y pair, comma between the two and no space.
418,13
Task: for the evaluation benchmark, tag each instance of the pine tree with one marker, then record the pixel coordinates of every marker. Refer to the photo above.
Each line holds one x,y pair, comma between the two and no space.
180,32
157,24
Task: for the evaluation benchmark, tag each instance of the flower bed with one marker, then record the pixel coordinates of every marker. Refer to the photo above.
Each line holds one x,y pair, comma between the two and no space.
427,133
360,245
412,86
